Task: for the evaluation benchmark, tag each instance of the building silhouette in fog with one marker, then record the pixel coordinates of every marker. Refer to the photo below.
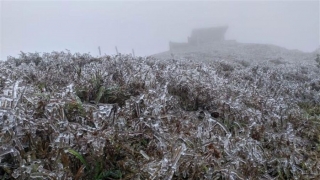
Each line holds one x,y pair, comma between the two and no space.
201,36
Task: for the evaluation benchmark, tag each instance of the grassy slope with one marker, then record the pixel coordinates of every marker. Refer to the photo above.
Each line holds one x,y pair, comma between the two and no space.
121,117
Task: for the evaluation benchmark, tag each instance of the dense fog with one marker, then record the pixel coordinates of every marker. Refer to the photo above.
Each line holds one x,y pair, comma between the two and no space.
224,90
148,26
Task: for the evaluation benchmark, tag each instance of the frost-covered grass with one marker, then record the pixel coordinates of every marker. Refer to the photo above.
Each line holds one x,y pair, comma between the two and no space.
72,116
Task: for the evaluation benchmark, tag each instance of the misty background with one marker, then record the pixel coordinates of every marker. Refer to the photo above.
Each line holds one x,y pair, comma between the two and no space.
148,26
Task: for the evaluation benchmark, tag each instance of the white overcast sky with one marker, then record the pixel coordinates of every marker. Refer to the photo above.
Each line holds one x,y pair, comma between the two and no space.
148,26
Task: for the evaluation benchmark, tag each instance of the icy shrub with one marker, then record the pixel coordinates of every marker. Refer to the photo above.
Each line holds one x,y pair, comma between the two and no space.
318,60
72,116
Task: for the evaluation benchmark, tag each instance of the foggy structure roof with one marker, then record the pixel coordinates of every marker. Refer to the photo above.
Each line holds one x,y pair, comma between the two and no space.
207,35
201,36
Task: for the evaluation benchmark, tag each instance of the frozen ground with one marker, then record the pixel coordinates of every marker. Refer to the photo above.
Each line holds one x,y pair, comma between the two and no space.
225,111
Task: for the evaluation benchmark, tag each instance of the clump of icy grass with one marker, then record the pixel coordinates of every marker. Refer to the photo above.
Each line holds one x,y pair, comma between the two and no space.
72,116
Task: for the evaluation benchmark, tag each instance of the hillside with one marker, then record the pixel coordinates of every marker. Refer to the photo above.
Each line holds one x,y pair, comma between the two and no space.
233,51
230,111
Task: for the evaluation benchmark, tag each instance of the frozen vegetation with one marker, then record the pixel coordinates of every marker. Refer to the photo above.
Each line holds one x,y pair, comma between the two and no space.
196,115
